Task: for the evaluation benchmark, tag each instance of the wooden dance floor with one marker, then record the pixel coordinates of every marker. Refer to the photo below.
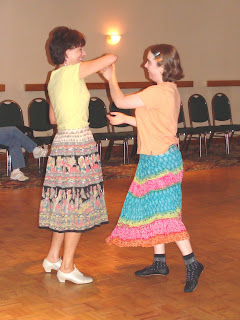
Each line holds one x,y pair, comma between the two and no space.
211,213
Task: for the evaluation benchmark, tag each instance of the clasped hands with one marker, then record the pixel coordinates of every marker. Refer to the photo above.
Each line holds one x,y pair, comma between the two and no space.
108,71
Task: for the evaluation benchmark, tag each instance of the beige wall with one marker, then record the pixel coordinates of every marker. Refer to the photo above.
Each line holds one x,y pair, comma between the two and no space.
205,32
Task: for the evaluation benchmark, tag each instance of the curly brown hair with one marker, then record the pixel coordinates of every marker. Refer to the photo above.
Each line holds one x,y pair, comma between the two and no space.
63,39
168,56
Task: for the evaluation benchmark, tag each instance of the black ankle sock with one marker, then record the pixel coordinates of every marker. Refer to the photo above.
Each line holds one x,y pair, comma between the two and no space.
160,258
190,258
191,264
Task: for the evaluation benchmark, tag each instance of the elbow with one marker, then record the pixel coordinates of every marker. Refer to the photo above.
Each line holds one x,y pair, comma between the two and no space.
113,58
52,120
121,104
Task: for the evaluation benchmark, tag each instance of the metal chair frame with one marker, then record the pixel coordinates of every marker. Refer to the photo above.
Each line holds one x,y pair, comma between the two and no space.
34,127
109,135
124,136
199,130
182,130
225,129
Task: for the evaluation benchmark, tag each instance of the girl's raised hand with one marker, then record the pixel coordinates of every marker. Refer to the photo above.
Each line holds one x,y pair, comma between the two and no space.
108,71
117,118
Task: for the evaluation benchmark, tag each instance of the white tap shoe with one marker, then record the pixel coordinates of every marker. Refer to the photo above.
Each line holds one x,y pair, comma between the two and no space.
75,276
49,266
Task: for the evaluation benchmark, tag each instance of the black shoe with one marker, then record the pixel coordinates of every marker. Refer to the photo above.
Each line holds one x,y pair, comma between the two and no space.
155,269
192,284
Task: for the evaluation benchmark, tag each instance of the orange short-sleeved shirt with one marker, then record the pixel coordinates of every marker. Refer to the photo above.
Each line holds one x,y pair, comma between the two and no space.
157,120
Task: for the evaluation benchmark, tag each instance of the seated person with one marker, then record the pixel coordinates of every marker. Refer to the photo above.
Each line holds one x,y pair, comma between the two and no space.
15,139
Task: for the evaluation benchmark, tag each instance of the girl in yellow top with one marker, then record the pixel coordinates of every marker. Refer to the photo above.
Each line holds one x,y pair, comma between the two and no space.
73,196
151,215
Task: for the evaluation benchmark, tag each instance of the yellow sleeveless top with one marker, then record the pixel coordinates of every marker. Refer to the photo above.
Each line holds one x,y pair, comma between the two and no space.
69,97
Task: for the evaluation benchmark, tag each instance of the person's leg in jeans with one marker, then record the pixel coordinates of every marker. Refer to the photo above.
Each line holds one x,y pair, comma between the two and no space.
28,144
15,139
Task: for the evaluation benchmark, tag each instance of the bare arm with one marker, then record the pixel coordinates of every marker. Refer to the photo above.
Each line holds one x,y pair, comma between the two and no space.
51,114
122,101
89,67
117,118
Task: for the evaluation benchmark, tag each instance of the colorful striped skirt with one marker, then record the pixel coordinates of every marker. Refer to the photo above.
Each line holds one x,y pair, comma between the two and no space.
73,195
151,212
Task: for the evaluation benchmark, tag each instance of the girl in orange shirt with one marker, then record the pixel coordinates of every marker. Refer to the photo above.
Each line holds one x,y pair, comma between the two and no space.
151,215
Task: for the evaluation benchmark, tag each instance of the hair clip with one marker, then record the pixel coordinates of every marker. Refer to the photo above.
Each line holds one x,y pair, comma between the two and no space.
156,54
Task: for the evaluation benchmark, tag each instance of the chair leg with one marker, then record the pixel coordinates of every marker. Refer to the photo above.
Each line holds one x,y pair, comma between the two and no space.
42,164
100,149
227,142
125,152
200,145
134,149
97,146
184,141
205,144
230,139
26,156
39,165
9,163
109,150
210,140
188,143
178,145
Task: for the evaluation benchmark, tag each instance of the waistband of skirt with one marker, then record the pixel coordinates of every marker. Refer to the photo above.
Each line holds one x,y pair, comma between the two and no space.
173,149
73,131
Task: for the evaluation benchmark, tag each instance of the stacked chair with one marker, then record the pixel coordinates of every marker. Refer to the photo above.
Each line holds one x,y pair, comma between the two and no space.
221,112
38,117
199,120
200,124
184,130
124,136
98,120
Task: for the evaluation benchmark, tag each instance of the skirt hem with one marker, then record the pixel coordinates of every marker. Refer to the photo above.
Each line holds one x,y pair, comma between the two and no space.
81,231
148,243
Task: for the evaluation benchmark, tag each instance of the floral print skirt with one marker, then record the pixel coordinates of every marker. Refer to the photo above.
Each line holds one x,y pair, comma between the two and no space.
73,194
151,213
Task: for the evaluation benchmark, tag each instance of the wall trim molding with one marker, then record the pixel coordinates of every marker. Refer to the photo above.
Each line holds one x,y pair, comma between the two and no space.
223,83
104,85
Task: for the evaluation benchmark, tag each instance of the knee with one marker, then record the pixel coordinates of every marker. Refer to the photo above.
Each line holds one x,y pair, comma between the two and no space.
12,134
13,131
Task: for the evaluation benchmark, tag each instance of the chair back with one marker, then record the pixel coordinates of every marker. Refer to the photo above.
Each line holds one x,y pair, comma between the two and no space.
221,109
97,113
181,117
38,115
198,109
114,108
10,114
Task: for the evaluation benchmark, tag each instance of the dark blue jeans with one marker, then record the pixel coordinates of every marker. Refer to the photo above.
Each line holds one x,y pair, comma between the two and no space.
14,139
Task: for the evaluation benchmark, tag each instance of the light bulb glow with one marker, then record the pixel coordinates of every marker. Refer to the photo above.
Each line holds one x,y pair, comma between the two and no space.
113,38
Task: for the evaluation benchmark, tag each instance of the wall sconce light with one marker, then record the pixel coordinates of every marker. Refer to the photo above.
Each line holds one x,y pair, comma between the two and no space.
113,39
